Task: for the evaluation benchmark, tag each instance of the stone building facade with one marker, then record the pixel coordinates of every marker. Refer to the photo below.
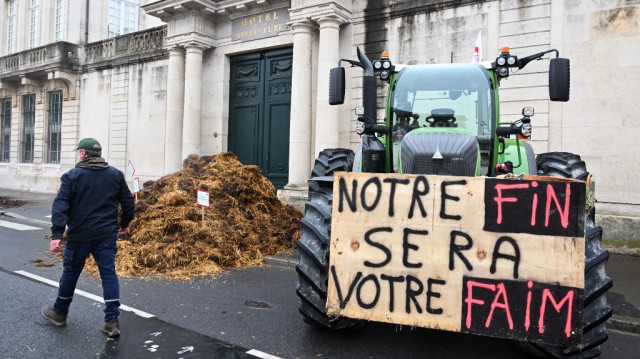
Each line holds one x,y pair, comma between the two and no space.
250,76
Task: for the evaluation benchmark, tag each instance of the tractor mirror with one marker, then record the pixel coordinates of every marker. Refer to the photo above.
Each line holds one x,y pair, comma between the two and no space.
336,86
559,79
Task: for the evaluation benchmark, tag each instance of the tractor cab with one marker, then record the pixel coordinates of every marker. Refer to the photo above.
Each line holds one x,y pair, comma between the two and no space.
446,98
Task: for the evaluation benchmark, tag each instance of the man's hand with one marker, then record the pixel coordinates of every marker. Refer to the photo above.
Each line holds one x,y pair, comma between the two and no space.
122,231
54,245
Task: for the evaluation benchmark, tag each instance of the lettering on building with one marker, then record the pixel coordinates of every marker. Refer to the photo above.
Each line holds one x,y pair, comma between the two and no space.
261,25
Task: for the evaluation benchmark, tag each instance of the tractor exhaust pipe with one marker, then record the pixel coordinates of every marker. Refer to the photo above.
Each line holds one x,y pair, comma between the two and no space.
369,90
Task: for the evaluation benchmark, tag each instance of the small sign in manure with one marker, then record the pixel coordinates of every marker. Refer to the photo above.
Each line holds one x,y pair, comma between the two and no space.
203,201
203,198
136,185
479,255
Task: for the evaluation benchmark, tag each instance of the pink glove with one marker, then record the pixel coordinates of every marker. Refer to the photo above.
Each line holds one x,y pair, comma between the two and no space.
122,231
54,245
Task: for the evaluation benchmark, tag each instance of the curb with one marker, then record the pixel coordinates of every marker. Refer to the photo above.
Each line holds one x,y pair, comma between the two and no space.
280,261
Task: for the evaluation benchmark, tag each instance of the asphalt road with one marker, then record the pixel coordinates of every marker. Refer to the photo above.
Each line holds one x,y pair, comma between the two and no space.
223,317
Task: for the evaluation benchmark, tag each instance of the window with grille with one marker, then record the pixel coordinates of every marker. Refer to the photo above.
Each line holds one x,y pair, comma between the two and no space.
11,27
5,129
54,127
34,13
61,20
123,17
28,127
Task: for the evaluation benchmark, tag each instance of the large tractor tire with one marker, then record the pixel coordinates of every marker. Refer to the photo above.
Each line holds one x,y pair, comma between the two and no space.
596,309
332,160
313,266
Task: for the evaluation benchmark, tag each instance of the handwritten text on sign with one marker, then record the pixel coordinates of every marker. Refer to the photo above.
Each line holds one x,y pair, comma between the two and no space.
465,254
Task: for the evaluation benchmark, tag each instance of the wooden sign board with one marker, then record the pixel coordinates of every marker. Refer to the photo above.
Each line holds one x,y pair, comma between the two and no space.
479,255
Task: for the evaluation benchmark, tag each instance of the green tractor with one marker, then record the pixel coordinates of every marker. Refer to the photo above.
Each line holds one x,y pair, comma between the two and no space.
444,120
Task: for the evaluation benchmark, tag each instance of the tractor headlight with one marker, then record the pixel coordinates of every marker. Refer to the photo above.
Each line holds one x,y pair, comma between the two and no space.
501,61
386,64
359,111
377,64
511,60
503,71
527,111
384,74
526,130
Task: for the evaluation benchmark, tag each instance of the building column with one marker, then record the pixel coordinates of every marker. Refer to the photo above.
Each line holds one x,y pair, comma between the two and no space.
327,117
192,125
175,108
300,123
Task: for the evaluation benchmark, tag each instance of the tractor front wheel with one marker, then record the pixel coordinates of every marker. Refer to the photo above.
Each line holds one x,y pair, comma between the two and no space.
313,266
596,309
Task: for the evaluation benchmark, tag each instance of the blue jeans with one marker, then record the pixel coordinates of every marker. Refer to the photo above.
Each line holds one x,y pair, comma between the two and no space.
73,258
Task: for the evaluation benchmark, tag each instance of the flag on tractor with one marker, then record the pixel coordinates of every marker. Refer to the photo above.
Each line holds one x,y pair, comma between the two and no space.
477,50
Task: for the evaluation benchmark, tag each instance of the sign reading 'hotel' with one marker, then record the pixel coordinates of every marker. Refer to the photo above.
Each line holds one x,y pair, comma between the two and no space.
258,26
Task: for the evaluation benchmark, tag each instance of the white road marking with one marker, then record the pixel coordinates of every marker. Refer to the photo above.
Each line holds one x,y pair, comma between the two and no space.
29,219
186,349
83,293
259,354
17,226
153,348
49,216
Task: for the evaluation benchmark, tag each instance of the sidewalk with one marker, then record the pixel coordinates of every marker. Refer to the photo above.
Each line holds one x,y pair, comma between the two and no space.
624,296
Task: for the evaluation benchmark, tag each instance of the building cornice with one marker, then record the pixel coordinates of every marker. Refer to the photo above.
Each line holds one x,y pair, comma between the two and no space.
331,9
223,10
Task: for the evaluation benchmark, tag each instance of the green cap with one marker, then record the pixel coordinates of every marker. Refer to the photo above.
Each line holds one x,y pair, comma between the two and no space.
90,144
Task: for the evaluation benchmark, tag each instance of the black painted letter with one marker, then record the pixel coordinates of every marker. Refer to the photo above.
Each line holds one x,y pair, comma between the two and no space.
406,247
345,195
392,280
378,185
385,250
413,293
344,301
392,192
431,293
373,303
444,196
456,248
515,258
416,194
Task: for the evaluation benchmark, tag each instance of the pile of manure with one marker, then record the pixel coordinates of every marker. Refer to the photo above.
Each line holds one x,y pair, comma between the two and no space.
245,222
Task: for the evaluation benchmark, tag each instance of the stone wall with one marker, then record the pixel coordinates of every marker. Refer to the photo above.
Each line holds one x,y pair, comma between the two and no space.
600,38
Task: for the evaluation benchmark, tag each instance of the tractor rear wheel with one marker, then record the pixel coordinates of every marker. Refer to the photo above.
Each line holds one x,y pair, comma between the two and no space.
313,266
596,309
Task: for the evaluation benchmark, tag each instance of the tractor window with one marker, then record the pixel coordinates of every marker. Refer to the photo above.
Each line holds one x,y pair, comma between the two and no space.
450,97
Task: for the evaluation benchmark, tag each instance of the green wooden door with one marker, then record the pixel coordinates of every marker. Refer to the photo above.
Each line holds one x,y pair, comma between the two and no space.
259,106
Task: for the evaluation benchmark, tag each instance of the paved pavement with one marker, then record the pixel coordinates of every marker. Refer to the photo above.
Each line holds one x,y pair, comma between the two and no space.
624,297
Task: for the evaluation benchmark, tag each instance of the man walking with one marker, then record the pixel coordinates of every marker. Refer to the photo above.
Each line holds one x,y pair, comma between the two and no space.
87,204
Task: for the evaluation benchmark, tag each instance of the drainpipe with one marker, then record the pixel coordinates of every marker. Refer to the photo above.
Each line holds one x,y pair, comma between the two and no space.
86,25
